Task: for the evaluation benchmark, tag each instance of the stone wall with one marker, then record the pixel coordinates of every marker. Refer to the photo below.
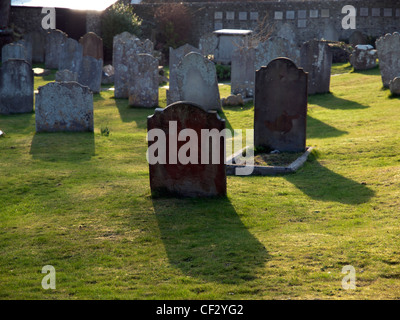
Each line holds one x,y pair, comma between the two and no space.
307,19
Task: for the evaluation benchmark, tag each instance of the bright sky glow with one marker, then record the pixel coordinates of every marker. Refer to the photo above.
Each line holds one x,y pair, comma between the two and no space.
97,5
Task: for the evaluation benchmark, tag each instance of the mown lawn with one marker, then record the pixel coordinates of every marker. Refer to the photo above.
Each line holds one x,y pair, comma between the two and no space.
81,203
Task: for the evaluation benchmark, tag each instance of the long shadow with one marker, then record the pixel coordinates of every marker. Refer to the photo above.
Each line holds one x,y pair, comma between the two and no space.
131,114
63,146
323,184
318,129
330,101
206,239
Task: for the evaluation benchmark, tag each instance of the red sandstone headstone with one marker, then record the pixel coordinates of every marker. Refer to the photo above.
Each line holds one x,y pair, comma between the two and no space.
92,45
196,179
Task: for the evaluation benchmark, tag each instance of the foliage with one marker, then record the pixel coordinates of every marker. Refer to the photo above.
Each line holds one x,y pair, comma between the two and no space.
117,19
174,26
223,72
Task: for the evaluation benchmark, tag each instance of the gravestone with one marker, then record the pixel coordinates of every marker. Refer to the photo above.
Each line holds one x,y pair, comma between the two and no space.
53,48
92,45
329,32
90,73
144,89
125,48
28,49
229,40
363,57
71,55
208,43
316,59
66,75
357,37
280,108
64,106
243,72
175,56
388,48
37,40
394,86
13,51
108,74
196,79
176,175
273,48
16,87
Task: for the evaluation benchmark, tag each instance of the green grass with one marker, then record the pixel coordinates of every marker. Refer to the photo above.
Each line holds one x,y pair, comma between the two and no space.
81,202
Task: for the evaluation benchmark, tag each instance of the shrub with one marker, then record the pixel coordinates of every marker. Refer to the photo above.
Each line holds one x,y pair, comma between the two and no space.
117,19
174,26
223,72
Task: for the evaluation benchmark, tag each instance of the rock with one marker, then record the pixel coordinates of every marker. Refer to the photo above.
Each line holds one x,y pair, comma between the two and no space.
394,86
108,74
363,57
233,100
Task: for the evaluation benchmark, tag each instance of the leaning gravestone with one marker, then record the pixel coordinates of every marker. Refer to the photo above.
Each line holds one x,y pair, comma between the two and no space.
54,41
144,89
92,45
389,57
91,73
71,55
125,48
66,75
37,40
175,56
176,172
363,57
64,106
280,108
196,80
243,72
16,87
273,48
13,51
316,59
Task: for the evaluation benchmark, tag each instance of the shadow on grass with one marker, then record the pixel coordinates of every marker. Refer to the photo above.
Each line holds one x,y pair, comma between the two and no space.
133,114
320,183
318,129
63,146
330,101
370,72
206,239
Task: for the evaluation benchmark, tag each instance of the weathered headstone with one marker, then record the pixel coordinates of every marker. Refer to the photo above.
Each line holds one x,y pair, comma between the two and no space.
228,41
54,41
357,37
91,73
71,55
273,48
394,86
280,108
66,75
16,87
125,48
144,89
13,51
363,57
388,48
64,106
177,175
37,40
243,71
28,49
92,45
316,59
197,82
208,43
175,56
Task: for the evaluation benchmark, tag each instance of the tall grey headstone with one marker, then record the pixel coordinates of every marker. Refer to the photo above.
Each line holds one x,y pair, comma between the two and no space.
71,55
54,41
125,48
316,59
37,39
66,75
280,109
243,72
273,48
28,49
91,73
16,87
388,48
64,106
197,81
92,45
144,89
175,56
